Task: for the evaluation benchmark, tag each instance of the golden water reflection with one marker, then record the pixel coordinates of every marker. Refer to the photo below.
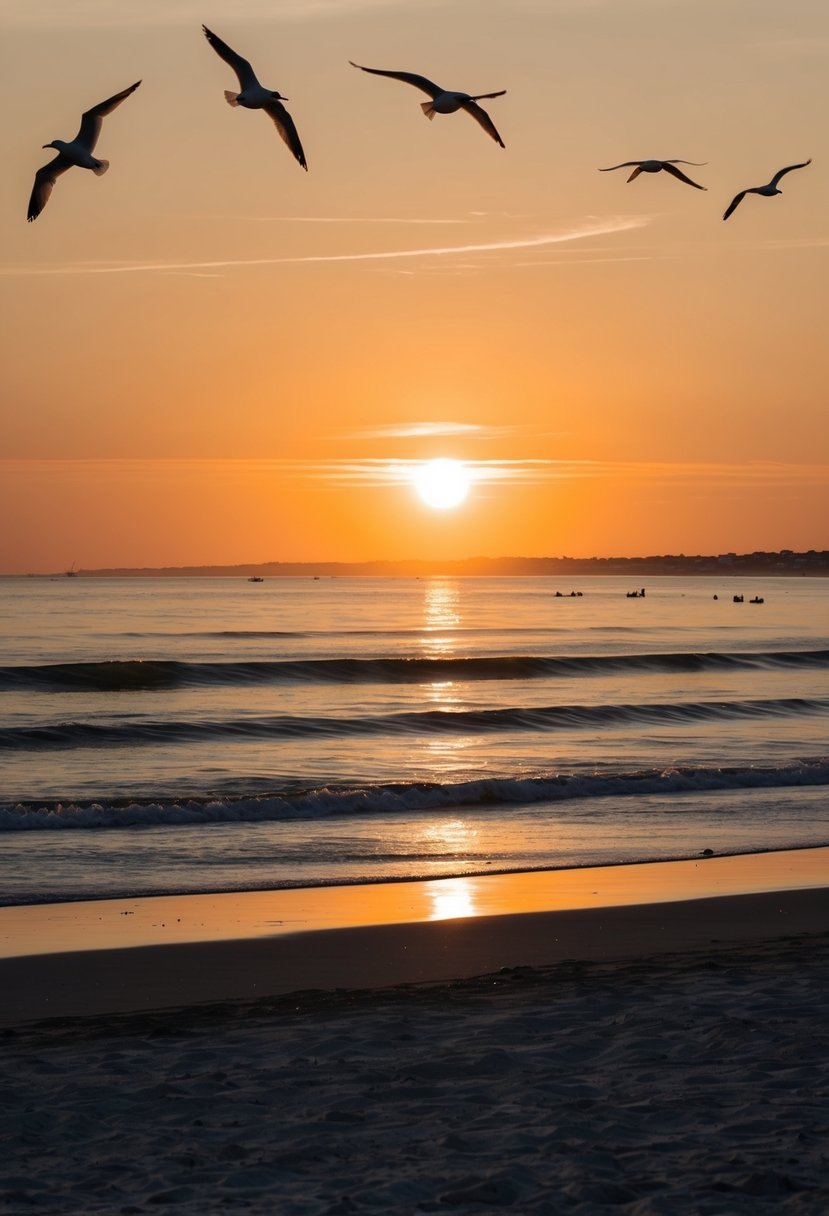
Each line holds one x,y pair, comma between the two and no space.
448,899
451,900
164,920
442,693
441,615
451,836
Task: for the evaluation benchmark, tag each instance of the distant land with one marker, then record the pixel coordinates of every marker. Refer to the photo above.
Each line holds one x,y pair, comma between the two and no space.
786,562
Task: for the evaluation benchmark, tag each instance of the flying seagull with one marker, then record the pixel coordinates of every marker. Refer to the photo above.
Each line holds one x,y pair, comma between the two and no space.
444,101
78,152
254,96
767,191
654,166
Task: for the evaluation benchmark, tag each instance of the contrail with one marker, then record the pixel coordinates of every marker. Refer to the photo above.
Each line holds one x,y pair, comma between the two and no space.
599,228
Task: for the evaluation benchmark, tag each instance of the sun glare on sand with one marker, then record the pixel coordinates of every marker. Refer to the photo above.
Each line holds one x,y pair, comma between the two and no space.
442,483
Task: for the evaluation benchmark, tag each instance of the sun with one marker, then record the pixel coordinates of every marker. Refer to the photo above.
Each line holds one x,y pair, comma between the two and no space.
442,483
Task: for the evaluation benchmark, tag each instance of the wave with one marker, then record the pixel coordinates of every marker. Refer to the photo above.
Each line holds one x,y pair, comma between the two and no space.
423,722
402,798
158,674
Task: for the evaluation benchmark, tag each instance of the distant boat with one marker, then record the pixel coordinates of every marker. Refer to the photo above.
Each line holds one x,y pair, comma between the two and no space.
256,578
71,572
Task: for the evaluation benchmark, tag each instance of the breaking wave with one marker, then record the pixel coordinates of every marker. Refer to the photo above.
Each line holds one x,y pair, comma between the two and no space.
401,798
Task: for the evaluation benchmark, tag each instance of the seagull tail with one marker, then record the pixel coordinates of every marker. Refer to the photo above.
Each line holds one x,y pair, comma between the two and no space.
101,167
232,99
428,109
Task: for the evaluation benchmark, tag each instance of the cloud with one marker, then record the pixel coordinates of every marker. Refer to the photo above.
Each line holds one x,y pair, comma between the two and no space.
353,219
426,430
379,472
384,472
589,228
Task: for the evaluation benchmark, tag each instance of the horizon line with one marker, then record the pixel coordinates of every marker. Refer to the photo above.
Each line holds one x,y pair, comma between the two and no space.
726,560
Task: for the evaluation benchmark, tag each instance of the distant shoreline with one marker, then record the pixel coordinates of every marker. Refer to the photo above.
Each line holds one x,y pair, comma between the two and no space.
786,562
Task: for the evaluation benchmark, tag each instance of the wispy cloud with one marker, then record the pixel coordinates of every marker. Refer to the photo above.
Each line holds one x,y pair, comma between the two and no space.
357,219
379,472
427,430
589,228
795,242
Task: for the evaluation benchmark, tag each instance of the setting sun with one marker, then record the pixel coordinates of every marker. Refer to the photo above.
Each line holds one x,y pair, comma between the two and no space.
442,483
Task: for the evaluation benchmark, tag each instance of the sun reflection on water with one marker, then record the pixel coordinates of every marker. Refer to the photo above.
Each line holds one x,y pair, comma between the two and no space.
452,898
441,615
441,618
442,694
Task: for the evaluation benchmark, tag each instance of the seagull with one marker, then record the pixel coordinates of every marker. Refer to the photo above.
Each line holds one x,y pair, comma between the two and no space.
254,96
444,101
767,191
78,152
654,166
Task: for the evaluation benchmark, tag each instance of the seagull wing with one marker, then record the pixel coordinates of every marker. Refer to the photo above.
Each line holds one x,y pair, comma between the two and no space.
782,172
626,164
679,161
671,168
735,202
286,128
480,115
244,72
419,82
93,120
45,179
635,173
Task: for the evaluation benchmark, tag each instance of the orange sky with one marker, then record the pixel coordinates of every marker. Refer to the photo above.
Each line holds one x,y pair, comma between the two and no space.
210,356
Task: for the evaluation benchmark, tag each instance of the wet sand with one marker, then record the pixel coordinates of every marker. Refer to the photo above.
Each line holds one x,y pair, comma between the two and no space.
311,1055
120,956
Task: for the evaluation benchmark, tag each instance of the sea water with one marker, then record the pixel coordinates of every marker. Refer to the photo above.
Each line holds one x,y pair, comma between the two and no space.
164,735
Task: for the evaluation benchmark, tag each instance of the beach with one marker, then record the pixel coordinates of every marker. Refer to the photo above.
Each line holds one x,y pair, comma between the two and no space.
387,896
414,666
643,1057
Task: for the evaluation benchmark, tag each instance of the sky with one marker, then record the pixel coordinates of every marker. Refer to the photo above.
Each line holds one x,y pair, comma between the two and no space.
209,356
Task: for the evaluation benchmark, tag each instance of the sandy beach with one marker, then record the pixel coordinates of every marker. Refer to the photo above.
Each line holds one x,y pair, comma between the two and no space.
657,1057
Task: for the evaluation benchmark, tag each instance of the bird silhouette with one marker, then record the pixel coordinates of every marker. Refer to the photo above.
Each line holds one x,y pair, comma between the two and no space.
655,166
767,191
444,101
76,153
254,96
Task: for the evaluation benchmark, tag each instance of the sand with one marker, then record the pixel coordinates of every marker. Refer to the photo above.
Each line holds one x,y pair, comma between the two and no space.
664,1057
119,956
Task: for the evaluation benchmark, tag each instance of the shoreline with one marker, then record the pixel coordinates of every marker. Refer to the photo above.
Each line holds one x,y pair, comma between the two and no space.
93,959
397,880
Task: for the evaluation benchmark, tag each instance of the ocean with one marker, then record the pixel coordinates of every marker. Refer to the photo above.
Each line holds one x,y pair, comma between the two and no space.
174,735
